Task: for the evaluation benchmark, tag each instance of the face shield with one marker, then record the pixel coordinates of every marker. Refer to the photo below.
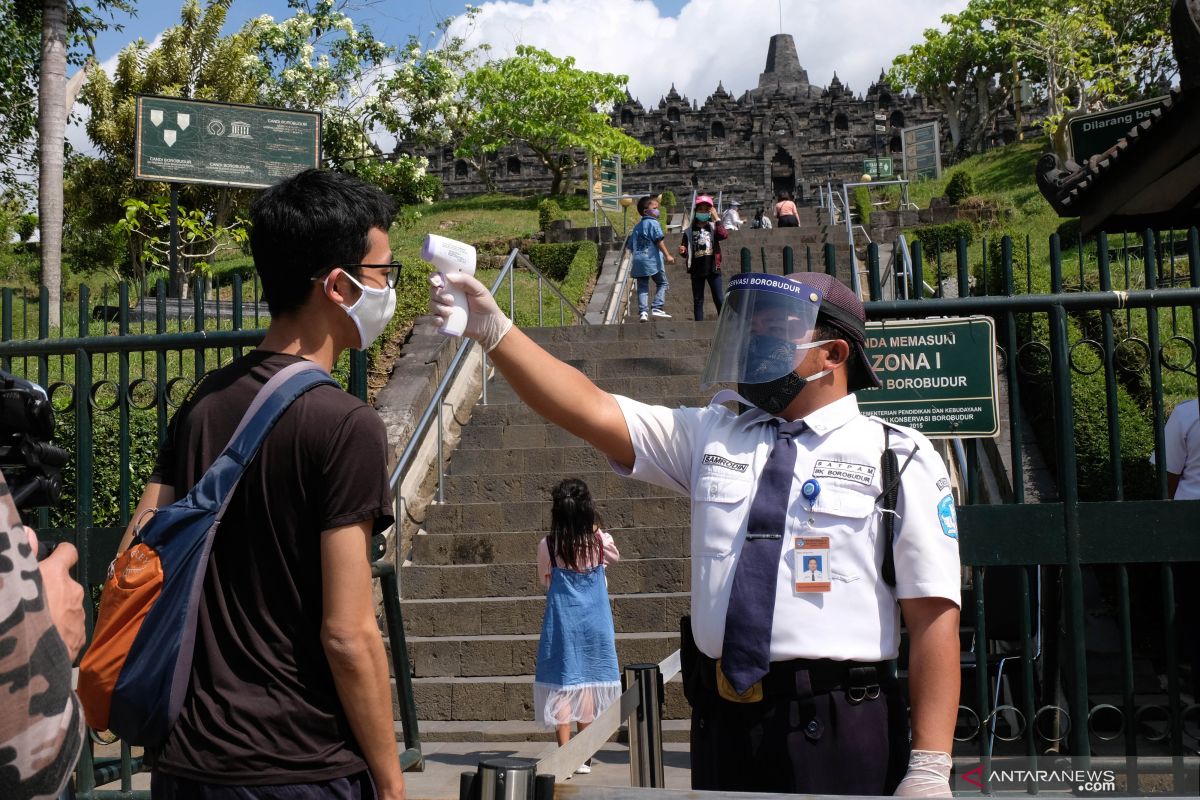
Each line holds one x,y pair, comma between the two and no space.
765,322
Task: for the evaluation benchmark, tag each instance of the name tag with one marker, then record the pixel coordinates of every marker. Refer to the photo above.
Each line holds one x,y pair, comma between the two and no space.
844,470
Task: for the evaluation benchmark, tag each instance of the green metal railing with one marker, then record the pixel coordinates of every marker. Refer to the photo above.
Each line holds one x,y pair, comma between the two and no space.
1072,599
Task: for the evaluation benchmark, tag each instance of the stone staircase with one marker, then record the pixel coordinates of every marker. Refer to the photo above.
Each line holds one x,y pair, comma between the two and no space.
472,603
807,242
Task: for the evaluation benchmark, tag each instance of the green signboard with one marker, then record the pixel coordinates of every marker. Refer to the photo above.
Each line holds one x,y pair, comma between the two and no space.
921,147
605,185
190,141
939,375
878,167
1095,133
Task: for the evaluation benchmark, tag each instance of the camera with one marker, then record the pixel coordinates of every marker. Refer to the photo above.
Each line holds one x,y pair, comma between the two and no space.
32,466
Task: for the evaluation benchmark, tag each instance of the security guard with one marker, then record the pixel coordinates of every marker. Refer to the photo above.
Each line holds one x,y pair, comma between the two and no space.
788,679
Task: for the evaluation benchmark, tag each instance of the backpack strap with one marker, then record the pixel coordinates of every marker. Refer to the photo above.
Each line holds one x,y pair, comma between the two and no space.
274,398
890,472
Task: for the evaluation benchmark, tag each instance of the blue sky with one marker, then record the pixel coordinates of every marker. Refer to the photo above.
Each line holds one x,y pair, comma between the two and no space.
692,43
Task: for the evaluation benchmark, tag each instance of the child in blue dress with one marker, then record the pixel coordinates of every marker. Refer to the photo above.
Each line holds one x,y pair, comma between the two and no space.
577,675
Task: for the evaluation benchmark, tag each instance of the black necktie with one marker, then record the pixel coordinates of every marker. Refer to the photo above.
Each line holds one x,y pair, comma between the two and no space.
746,652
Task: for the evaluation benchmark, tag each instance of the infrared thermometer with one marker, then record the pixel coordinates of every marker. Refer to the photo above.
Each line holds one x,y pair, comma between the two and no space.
447,256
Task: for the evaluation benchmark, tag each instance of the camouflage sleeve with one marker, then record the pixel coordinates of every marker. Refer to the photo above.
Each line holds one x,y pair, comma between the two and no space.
41,727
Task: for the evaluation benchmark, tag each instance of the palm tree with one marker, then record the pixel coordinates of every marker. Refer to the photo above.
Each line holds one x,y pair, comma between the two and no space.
52,126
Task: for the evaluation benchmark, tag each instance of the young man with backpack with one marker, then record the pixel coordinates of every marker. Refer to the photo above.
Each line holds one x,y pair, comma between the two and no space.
289,667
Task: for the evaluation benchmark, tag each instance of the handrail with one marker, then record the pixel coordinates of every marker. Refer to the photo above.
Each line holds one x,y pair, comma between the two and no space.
431,410
624,286
562,761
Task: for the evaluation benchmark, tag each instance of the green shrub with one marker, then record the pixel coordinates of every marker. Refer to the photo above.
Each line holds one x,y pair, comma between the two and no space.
554,260
548,211
961,185
862,204
944,238
667,201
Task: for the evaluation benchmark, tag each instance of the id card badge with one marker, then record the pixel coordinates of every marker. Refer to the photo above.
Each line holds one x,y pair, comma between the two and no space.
810,567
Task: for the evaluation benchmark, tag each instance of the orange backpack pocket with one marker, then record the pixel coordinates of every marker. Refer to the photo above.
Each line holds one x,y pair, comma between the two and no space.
135,581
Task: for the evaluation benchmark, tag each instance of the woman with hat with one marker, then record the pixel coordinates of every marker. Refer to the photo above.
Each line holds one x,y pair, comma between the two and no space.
701,246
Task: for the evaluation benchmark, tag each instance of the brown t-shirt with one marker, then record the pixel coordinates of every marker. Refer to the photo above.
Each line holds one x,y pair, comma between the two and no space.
261,706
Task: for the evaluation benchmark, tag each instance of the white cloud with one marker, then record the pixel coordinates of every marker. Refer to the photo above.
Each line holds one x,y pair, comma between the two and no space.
712,40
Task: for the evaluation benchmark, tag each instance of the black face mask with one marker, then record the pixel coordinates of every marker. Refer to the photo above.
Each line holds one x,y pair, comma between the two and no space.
773,396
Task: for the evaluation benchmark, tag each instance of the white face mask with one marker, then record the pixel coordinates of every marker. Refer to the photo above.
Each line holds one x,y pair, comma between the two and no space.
371,312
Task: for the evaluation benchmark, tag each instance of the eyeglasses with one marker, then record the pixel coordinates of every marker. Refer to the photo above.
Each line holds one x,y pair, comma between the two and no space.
393,276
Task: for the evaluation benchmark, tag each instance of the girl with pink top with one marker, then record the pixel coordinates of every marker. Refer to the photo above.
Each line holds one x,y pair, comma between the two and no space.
577,675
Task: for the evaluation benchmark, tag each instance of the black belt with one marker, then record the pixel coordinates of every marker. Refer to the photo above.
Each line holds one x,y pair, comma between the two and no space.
861,680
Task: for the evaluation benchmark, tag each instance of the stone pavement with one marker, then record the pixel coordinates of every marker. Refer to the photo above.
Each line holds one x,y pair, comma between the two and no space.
445,761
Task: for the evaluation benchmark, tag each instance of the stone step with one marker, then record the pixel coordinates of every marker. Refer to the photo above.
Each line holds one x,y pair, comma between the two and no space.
519,461
641,387
628,576
672,329
477,656
630,366
508,410
503,698
486,732
469,616
534,515
517,436
520,547
517,487
648,347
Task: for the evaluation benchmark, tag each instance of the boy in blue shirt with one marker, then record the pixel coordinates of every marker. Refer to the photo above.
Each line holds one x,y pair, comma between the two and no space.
646,243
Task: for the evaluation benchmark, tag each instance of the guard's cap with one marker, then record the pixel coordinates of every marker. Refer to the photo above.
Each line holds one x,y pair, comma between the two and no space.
841,308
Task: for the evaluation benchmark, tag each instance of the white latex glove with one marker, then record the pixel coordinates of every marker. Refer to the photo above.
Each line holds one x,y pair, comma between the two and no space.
486,323
928,775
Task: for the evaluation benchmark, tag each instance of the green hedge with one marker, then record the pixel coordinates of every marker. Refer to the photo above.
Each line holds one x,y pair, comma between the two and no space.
944,238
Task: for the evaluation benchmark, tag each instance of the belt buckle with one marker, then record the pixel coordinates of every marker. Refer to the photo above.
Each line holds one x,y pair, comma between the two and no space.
725,689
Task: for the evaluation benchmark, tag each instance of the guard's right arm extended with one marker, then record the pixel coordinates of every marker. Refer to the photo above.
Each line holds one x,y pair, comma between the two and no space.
557,391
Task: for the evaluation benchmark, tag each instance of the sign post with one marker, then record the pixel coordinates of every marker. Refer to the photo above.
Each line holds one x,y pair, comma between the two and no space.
191,141
938,376
1091,135
921,150
252,147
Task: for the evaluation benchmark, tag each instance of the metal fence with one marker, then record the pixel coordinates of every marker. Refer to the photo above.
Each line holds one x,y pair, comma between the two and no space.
116,368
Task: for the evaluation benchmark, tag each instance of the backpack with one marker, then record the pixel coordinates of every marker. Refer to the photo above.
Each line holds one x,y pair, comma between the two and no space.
134,676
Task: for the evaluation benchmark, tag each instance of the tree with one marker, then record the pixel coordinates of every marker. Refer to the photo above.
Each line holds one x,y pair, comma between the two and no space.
1076,56
1087,55
423,102
550,106
320,60
193,60
60,32
961,69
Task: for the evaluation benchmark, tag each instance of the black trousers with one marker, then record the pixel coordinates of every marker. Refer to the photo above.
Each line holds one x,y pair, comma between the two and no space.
170,787
713,281
805,737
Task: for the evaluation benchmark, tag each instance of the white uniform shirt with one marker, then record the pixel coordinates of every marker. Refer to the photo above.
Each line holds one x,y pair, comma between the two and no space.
716,457
1182,435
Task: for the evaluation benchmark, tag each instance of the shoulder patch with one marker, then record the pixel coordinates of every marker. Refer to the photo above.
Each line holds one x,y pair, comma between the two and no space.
946,516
